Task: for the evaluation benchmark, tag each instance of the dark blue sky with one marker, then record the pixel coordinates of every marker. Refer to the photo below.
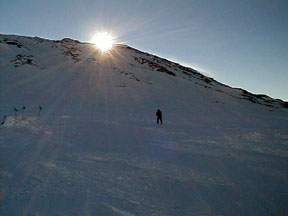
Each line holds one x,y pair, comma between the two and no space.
239,43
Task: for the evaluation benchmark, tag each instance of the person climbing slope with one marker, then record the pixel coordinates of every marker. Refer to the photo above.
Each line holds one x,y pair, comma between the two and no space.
159,116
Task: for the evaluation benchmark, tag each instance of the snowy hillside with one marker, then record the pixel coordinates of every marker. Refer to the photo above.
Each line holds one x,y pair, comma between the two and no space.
97,150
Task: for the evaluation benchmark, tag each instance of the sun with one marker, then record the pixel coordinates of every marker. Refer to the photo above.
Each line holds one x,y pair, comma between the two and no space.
103,41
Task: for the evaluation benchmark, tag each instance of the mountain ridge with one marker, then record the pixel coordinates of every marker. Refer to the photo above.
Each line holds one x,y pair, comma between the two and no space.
96,148
155,63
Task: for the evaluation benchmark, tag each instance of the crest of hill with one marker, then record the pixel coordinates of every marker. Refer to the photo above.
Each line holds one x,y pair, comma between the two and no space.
24,47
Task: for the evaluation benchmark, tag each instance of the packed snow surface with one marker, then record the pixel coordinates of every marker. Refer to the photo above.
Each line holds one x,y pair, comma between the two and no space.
97,150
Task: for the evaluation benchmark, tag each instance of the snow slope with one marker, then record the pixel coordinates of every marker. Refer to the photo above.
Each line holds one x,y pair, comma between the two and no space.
97,150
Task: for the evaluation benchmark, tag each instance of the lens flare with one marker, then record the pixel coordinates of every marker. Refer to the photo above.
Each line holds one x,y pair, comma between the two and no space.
103,41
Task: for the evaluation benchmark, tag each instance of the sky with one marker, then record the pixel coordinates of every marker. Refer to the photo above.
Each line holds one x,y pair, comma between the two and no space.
243,44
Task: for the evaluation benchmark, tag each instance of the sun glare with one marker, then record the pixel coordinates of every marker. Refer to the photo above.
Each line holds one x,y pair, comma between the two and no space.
103,41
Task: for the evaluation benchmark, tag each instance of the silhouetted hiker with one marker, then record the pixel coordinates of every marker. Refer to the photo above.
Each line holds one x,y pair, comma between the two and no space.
159,116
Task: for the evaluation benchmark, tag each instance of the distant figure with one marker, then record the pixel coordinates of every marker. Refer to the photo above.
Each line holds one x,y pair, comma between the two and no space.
159,116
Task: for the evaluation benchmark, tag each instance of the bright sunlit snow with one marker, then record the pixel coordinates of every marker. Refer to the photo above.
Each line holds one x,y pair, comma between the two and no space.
96,148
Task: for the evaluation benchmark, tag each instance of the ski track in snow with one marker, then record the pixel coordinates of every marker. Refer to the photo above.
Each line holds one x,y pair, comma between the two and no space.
96,149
